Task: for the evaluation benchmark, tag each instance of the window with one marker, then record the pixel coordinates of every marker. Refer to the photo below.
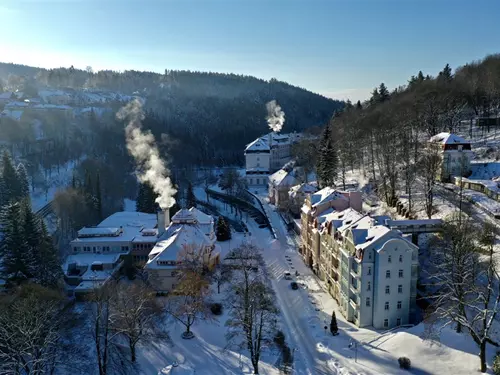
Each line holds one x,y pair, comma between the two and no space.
400,259
387,290
368,286
386,323
370,255
398,321
94,249
389,259
399,306
387,274
386,307
400,289
367,301
400,274
369,270
124,248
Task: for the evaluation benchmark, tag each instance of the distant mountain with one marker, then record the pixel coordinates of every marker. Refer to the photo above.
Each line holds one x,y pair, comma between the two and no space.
209,116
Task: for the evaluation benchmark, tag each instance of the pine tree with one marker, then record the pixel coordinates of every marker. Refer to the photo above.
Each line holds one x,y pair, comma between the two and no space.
358,105
326,168
31,234
190,197
11,185
223,231
334,329
98,199
48,271
24,186
375,98
139,202
445,74
420,76
383,93
15,260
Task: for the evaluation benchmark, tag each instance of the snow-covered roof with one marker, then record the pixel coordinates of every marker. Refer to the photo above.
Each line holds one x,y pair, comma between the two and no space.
302,189
84,259
98,231
130,223
283,178
325,195
15,115
48,93
184,216
6,95
201,217
448,138
341,220
52,106
16,105
171,245
262,143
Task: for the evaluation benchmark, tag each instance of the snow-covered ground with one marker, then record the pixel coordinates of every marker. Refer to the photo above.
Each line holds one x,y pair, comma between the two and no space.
55,181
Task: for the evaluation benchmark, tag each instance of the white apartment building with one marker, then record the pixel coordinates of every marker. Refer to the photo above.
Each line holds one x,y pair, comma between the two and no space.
456,155
266,155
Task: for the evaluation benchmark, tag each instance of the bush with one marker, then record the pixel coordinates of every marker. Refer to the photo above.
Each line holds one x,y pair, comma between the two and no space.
496,364
404,363
279,339
216,308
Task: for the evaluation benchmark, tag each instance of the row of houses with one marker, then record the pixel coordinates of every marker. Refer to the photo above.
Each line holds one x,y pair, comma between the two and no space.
152,241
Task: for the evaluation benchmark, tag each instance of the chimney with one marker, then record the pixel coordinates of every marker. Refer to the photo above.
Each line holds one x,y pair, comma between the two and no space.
163,221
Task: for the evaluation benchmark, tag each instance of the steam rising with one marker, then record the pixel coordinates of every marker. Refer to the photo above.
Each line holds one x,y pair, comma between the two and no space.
275,116
141,145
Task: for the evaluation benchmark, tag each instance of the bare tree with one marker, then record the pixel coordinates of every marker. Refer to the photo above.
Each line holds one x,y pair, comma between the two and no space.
253,313
429,166
221,274
30,337
188,302
136,315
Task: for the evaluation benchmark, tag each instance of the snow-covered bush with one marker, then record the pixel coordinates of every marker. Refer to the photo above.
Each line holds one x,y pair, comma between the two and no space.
496,364
216,308
404,363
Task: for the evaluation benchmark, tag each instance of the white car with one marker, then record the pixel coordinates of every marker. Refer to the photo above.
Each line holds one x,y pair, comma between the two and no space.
288,276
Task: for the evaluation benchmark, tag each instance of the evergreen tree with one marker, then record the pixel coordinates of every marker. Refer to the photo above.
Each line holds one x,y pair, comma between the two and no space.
176,207
445,74
98,199
11,186
326,168
383,93
334,329
223,231
348,105
420,76
139,202
48,271
375,98
31,234
190,197
146,200
24,186
358,105
15,259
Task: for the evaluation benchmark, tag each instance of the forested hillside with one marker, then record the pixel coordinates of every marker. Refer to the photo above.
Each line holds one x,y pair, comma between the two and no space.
207,117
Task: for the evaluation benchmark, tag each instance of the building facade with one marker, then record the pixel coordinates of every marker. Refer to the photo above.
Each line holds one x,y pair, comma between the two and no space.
455,153
280,183
266,155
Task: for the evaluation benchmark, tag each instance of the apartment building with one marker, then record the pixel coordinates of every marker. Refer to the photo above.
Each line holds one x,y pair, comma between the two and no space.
297,195
370,269
455,153
314,210
280,183
266,155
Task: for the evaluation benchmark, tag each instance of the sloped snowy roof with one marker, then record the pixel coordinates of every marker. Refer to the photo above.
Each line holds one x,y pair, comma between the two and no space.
184,216
170,245
258,145
16,105
325,195
302,188
343,218
448,138
262,143
282,178
201,217
15,115
6,95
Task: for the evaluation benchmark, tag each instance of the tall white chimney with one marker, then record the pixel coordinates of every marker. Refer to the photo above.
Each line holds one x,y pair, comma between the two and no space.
163,221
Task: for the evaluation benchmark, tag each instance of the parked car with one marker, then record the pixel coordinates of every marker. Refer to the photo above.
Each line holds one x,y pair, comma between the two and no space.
294,285
288,276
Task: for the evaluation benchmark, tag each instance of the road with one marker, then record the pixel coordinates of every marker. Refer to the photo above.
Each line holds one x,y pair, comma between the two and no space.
304,326
475,212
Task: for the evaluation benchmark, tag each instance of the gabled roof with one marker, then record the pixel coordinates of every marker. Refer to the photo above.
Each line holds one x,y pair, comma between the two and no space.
262,143
201,217
283,178
448,138
258,145
302,188
325,195
184,216
171,245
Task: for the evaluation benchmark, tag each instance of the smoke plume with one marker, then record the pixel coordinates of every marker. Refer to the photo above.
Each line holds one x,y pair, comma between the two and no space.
141,145
275,116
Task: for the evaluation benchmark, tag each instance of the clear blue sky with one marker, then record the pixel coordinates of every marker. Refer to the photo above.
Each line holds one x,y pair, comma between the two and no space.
338,48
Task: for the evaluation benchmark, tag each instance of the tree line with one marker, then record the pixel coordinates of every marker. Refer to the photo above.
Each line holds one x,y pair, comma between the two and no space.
387,135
